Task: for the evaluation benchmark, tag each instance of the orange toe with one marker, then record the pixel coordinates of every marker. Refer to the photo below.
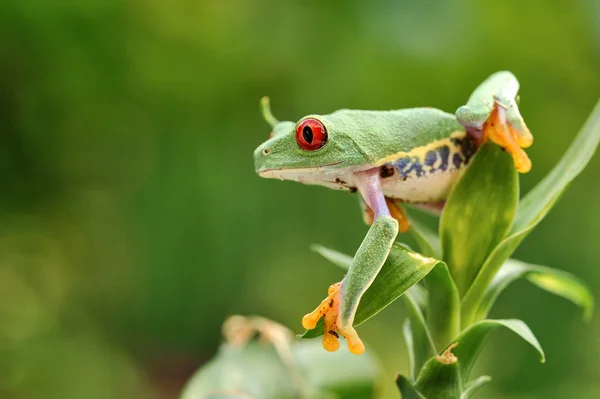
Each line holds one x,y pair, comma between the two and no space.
329,309
497,130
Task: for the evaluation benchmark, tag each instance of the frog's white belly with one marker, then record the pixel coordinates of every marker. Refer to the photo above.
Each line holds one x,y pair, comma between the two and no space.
429,188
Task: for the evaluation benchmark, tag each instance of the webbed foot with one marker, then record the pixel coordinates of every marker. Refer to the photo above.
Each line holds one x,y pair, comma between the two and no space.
492,114
513,135
329,309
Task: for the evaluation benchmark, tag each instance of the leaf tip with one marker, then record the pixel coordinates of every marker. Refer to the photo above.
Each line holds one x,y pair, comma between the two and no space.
315,248
588,313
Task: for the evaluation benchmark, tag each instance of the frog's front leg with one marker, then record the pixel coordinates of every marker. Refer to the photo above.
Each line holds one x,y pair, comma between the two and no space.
340,306
396,211
492,114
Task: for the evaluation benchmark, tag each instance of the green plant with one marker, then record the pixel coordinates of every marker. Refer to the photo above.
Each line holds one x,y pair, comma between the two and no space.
451,282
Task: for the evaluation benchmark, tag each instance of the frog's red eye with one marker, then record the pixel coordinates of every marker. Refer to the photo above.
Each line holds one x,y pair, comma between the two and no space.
311,134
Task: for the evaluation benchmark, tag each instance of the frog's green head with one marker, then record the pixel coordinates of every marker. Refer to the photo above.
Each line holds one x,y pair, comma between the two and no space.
315,150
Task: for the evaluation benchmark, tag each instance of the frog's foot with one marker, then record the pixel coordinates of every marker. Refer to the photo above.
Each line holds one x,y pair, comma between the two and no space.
329,309
398,213
506,128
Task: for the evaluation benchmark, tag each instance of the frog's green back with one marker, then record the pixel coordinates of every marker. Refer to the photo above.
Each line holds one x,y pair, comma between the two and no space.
383,134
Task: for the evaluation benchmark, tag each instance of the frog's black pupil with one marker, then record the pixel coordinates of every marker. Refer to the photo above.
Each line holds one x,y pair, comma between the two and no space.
307,134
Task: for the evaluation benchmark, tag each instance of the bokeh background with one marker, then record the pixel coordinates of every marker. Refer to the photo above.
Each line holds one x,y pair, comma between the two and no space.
132,222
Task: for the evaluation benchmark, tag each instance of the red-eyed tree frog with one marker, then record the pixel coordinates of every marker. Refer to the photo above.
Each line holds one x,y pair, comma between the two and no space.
390,157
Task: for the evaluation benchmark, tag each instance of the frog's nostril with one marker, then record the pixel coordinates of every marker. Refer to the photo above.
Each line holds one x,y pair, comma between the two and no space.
266,151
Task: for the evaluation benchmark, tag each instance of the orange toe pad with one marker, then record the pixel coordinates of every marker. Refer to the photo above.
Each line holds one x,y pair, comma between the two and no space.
329,309
502,133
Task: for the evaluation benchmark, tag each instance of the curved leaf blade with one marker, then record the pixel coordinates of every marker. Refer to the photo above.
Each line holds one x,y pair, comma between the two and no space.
471,340
474,386
337,258
534,207
417,336
443,309
443,306
402,269
427,239
406,388
555,281
478,213
444,376
536,204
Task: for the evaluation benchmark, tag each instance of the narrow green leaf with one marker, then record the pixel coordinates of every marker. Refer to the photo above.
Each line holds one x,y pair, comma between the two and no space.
337,258
440,378
427,239
418,294
443,306
470,341
478,213
474,386
534,207
536,204
555,281
417,336
402,269
406,388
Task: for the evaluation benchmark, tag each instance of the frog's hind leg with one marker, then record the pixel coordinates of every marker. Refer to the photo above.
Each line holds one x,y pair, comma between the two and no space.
492,114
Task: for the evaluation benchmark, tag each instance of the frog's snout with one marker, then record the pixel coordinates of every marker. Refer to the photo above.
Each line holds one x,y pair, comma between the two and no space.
260,155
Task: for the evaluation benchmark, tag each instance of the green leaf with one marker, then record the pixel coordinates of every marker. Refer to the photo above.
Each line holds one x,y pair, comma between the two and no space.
536,204
443,306
417,336
402,269
534,207
470,341
554,281
427,240
406,388
440,378
478,213
444,376
443,310
337,258
474,386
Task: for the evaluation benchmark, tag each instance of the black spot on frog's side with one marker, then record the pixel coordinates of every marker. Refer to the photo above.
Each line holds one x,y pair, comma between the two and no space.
387,171
430,158
407,165
466,147
444,153
457,160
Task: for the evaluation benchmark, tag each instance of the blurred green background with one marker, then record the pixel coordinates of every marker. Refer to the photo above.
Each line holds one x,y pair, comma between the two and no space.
131,219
